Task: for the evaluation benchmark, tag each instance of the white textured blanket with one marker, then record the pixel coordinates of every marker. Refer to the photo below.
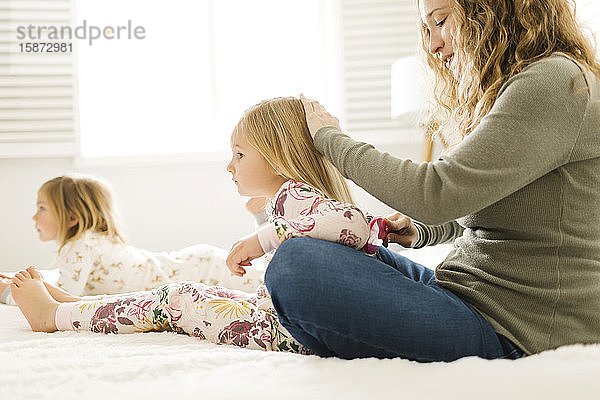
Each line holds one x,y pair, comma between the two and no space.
70,365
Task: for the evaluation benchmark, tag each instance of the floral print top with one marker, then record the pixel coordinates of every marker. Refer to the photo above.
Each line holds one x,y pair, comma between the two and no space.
299,210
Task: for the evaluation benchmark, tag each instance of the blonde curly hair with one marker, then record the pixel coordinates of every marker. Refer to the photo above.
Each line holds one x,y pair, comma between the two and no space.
496,40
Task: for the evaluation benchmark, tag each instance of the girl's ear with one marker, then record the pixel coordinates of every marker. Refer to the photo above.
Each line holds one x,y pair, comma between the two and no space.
72,221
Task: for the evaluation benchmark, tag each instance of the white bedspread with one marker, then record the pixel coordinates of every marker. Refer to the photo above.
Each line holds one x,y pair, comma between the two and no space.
70,365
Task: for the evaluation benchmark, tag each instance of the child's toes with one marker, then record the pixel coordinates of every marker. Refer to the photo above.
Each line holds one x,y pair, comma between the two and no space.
22,275
34,272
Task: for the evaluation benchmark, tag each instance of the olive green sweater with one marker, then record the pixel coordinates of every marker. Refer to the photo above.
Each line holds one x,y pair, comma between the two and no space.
520,197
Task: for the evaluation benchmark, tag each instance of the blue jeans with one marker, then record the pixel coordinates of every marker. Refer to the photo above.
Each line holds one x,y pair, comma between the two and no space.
340,302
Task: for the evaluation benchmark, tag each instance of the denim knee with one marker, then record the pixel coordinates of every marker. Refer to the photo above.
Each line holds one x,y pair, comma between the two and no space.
288,267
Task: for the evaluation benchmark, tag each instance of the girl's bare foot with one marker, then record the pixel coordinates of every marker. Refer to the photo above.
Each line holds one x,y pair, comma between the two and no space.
57,293
36,304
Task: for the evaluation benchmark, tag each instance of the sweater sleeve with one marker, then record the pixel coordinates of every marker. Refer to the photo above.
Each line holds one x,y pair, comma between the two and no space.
302,211
530,131
75,262
430,235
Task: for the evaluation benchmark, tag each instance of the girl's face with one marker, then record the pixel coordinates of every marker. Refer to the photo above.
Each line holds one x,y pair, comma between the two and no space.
439,19
45,221
250,171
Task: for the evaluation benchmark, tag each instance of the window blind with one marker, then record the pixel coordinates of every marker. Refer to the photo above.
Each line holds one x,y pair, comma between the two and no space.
375,33
37,88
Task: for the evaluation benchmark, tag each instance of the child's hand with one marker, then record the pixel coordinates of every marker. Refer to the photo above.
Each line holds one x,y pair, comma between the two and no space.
402,230
242,252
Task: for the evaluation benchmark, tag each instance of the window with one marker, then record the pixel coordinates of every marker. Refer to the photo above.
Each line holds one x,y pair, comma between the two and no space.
588,13
37,96
201,64
375,34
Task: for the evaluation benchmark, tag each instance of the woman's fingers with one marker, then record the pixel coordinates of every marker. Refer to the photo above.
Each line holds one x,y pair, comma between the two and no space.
402,240
317,116
306,102
395,216
312,105
396,225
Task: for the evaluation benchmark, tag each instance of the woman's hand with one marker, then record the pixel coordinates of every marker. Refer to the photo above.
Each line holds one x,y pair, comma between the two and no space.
242,252
402,230
317,116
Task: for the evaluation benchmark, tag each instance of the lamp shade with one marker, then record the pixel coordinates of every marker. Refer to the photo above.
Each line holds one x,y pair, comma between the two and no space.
408,89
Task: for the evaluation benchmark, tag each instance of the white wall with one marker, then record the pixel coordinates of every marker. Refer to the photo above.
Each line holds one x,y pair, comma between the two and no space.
164,205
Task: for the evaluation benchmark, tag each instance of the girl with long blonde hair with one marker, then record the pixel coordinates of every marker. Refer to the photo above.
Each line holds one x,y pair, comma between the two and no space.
273,156
305,181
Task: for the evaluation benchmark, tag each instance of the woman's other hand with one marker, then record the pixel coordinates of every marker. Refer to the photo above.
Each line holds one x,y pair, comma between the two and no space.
317,116
402,230
242,253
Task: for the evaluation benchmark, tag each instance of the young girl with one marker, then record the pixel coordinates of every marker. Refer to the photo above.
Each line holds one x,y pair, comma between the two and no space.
273,156
77,212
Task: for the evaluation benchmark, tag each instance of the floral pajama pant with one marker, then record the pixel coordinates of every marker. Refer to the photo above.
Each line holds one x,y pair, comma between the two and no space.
213,313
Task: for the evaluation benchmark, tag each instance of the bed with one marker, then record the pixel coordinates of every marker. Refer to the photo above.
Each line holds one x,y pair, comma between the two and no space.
71,365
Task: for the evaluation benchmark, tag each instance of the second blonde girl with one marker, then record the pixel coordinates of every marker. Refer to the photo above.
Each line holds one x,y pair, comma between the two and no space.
77,212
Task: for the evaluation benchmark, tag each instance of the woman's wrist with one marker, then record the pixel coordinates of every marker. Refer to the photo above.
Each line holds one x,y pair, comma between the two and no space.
420,241
327,128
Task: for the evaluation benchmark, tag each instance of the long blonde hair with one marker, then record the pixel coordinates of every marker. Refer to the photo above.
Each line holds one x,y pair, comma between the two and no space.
85,198
277,129
496,40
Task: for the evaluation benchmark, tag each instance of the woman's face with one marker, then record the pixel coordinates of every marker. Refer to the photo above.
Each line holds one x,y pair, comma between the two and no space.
438,17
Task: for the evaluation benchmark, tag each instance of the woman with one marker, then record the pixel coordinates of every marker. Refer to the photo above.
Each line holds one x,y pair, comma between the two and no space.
518,84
